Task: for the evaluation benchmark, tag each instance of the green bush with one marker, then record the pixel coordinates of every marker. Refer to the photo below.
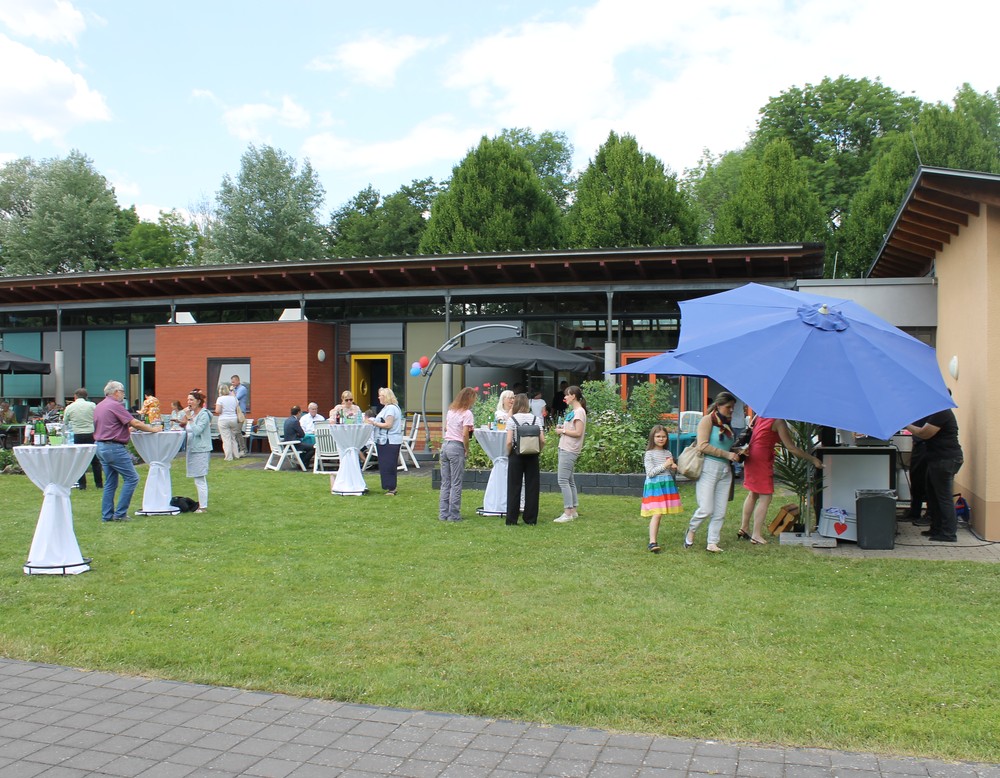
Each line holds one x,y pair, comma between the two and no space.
616,433
7,458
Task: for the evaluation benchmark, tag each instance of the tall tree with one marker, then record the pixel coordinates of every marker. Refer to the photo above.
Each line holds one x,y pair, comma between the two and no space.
270,212
58,216
833,127
709,185
370,226
964,137
495,202
551,155
168,243
773,203
626,198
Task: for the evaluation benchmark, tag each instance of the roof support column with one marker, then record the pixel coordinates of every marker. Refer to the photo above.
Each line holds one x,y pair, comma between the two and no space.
609,343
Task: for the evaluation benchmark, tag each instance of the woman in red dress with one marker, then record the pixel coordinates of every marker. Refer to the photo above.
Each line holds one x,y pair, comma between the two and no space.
758,473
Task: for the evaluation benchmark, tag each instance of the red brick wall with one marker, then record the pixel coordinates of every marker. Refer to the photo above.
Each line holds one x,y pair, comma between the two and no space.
285,370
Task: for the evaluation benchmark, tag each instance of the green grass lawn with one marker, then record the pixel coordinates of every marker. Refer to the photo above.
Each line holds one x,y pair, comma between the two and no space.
284,587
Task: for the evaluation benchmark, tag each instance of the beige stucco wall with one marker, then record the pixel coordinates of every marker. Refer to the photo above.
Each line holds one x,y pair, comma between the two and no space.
968,273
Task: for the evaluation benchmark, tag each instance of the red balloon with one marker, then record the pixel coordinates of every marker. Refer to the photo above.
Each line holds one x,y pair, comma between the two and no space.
424,361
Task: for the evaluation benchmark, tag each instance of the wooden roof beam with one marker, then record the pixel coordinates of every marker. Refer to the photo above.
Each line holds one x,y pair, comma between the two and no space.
945,214
949,201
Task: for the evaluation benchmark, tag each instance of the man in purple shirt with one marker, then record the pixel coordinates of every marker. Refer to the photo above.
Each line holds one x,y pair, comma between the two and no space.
112,427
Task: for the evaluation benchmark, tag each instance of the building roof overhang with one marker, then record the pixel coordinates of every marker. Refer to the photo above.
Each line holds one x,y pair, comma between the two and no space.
524,271
937,206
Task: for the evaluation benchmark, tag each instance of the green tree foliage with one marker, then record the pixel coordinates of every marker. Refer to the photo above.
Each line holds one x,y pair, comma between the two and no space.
494,202
964,137
833,127
58,216
168,243
626,198
368,226
709,185
270,212
773,202
551,155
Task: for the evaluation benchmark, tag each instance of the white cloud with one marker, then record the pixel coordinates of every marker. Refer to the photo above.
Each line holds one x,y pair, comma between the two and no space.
374,61
685,76
435,140
56,21
47,98
246,121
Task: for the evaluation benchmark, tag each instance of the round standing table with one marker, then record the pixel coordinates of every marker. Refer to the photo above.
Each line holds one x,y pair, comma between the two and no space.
349,439
158,449
54,470
494,443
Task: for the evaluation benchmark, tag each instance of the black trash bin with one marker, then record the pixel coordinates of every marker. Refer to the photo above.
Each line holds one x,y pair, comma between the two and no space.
876,513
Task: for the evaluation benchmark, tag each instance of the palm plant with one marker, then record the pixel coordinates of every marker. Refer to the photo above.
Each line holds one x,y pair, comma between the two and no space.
797,474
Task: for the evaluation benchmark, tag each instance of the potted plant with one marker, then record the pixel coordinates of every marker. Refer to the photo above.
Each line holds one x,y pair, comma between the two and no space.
797,474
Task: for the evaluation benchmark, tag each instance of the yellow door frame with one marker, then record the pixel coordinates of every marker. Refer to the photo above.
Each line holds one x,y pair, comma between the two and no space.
365,394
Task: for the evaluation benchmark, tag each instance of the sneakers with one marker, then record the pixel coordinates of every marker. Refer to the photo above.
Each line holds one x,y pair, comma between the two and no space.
126,517
654,547
563,519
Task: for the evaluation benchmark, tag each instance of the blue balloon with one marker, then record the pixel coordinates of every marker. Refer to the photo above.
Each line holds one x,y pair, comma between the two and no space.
415,371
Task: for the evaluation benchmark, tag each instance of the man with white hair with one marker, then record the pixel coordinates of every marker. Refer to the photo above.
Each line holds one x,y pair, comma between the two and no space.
113,425
308,420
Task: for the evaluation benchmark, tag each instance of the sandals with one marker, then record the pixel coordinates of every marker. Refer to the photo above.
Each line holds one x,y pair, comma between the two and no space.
654,547
743,535
200,510
760,542
712,548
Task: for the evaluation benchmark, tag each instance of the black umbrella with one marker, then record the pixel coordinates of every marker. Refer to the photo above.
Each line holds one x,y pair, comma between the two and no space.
15,363
521,353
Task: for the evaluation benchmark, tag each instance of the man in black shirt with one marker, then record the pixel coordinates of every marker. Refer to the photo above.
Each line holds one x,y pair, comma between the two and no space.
943,457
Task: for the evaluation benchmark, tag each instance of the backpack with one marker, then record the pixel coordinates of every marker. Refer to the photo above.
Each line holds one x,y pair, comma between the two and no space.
527,442
186,504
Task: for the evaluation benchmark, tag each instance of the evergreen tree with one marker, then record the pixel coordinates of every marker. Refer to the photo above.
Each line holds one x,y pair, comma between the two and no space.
494,202
626,198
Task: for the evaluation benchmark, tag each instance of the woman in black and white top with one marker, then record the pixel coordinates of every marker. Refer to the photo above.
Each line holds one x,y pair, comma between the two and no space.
522,468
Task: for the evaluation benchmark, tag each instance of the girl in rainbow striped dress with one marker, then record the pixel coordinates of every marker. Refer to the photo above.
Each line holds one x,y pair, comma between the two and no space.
659,493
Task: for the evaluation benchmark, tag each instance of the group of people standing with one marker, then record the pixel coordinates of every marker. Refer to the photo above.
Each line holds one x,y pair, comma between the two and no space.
515,412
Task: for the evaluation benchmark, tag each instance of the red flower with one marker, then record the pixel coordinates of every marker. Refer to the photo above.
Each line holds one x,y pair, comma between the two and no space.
475,388
503,385
486,384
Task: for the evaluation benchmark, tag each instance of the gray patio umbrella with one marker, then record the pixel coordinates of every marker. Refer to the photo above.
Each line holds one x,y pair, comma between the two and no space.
521,353
15,363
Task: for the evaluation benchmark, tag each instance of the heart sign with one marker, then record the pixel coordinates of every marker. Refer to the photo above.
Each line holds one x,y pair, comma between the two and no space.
840,528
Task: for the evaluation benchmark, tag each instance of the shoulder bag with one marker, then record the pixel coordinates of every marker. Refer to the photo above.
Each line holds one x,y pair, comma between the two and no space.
690,461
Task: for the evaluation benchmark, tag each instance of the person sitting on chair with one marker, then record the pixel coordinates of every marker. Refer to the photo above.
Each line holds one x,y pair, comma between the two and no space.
293,431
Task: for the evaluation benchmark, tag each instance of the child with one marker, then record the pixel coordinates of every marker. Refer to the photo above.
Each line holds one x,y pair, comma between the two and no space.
659,492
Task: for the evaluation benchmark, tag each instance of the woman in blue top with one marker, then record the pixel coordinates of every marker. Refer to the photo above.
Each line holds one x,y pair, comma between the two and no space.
715,439
388,425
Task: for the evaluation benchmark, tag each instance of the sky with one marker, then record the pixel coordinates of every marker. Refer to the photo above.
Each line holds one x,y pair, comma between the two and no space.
166,99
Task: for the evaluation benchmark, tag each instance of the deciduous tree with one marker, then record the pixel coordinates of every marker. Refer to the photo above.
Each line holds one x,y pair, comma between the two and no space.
270,211
58,216
773,203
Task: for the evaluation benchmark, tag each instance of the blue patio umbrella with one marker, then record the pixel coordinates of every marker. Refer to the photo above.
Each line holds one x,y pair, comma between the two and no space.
799,356
661,364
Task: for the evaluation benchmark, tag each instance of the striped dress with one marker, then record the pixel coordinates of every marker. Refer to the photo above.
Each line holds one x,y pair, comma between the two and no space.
659,492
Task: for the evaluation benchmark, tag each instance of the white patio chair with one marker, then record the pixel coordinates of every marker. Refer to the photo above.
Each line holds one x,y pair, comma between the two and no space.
214,429
409,439
326,449
280,449
246,432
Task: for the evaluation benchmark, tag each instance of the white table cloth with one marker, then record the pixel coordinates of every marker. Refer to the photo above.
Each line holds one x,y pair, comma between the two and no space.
349,439
494,443
158,449
54,470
